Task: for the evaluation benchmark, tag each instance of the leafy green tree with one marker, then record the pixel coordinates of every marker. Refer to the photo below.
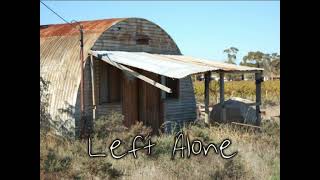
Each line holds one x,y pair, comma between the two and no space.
270,62
275,63
232,54
254,57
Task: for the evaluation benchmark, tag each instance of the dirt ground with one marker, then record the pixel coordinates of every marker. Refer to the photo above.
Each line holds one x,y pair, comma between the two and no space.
271,112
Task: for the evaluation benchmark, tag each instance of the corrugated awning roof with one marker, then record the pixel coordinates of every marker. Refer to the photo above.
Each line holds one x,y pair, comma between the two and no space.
174,66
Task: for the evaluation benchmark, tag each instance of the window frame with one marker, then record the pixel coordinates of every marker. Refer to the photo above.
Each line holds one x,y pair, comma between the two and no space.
142,39
176,88
108,84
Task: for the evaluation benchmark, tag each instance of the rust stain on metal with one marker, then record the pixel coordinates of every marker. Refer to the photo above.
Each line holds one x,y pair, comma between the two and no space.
96,26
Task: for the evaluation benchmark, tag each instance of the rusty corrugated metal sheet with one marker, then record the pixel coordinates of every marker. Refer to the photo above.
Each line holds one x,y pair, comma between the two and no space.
97,26
60,60
175,66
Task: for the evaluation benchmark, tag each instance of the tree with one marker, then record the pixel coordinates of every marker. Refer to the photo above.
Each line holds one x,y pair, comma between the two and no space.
275,63
270,62
232,54
254,57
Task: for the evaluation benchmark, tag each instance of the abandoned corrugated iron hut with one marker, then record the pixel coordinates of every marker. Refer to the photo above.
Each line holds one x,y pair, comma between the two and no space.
130,65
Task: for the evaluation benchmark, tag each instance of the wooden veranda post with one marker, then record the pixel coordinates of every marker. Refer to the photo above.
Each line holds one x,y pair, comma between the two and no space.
207,76
221,88
259,79
82,63
93,88
163,82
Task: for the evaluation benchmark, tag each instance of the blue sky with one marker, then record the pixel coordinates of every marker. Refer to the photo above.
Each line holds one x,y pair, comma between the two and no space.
201,29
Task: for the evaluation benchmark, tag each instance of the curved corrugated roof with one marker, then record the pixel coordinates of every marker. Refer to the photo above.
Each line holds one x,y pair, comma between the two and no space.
96,26
60,59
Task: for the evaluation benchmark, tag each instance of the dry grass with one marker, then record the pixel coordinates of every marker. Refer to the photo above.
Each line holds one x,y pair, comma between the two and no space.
258,154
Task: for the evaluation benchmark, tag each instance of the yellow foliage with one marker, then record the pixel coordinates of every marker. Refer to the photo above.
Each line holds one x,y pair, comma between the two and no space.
244,89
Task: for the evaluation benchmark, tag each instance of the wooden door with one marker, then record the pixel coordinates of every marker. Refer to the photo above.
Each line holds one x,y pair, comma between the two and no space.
149,102
130,96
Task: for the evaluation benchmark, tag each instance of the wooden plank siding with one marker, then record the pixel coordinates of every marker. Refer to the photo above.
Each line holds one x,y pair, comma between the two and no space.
182,109
130,99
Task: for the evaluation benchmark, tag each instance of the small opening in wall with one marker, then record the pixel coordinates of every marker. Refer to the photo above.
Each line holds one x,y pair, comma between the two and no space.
173,84
142,39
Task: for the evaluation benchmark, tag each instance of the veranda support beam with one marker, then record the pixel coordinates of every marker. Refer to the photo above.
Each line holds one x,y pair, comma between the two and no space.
163,81
135,74
207,76
93,88
221,88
